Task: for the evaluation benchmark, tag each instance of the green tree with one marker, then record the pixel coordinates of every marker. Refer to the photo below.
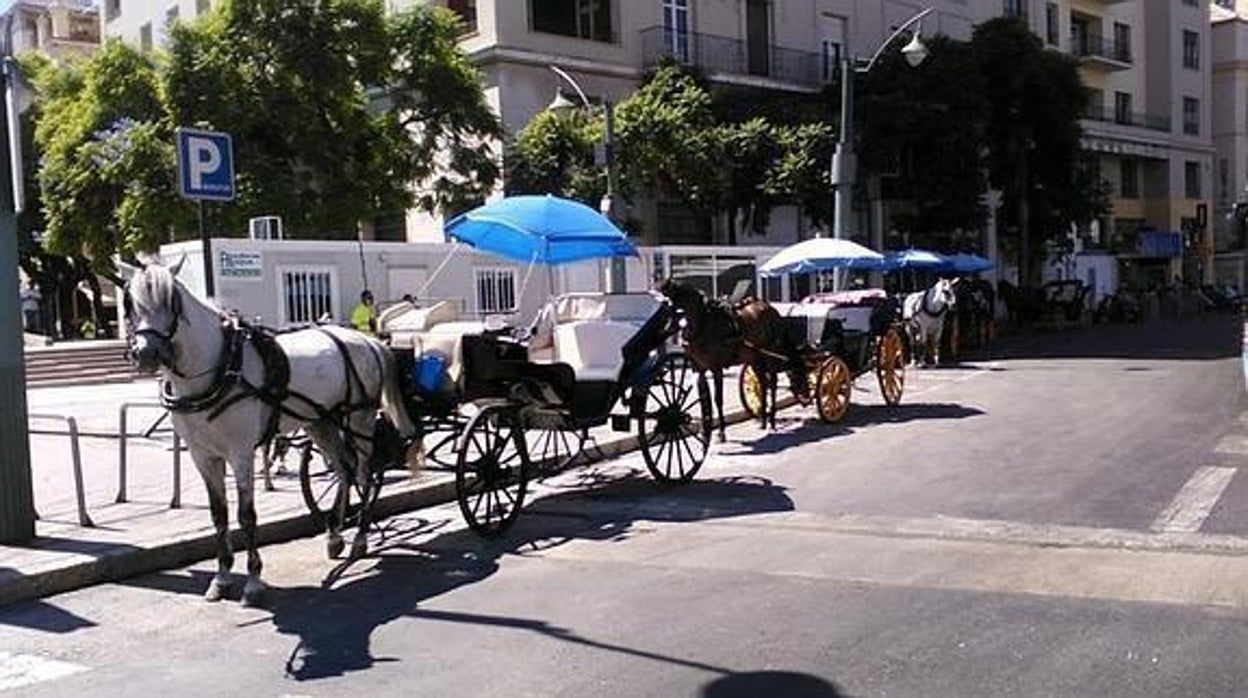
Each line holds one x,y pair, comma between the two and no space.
106,174
1035,100
922,128
554,153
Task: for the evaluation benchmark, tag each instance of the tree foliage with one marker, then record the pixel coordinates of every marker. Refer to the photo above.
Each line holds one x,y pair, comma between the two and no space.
555,153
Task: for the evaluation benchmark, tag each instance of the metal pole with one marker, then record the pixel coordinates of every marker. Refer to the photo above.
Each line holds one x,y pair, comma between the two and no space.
618,282
17,504
209,289
843,164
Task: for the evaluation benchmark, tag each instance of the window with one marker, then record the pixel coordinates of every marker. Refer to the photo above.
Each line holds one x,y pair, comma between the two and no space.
1121,50
171,16
1191,179
112,9
1122,107
202,7
1051,34
1224,182
306,294
676,28
1015,8
585,19
1191,49
1191,116
832,46
1129,179
145,36
496,290
467,11
1192,3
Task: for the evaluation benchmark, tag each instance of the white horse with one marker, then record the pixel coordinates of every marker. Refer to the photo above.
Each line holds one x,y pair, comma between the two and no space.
230,389
924,313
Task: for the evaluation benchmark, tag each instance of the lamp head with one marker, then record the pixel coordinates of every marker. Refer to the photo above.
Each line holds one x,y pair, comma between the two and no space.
915,52
561,104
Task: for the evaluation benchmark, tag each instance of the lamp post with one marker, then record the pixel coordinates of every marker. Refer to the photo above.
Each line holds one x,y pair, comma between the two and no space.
609,206
844,164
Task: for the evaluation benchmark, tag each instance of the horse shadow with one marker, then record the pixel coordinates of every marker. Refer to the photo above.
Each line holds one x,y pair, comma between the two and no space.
416,562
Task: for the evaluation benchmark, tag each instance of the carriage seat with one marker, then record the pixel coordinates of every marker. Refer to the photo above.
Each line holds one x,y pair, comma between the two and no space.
588,330
437,328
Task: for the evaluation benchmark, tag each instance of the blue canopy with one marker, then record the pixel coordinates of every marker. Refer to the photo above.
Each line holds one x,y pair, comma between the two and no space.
914,259
968,263
543,229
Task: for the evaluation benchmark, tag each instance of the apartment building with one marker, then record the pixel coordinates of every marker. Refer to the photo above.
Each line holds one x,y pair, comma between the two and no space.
59,28
1230,135
1148,65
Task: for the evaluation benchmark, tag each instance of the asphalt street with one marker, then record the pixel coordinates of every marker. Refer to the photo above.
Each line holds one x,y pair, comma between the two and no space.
1063,516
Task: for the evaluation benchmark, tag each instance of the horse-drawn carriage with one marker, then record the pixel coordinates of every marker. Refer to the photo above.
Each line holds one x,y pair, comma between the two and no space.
845,335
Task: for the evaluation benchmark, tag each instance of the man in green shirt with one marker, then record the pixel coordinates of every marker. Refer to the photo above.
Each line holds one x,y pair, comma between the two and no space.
364,315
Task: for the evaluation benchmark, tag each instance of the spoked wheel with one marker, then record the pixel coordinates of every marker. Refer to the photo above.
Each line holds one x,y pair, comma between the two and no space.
833,389
553,450
322,491
890,366
750,389
674,425
491,470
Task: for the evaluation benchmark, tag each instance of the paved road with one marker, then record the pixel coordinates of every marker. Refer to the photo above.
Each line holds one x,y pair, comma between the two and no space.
1064,518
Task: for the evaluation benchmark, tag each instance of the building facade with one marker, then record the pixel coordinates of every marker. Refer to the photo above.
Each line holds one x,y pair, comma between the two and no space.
1148,66
1230,133
59,28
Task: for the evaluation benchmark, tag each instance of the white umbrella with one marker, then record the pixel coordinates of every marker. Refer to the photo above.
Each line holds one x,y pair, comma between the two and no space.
820,254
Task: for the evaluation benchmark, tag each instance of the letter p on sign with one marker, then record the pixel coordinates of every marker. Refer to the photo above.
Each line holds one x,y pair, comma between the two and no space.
205,164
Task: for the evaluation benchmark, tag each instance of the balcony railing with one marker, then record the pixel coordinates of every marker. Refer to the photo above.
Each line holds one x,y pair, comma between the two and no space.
1093,46
721,54
1110,115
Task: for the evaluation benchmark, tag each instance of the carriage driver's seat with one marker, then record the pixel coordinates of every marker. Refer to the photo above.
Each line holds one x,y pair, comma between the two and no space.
587,331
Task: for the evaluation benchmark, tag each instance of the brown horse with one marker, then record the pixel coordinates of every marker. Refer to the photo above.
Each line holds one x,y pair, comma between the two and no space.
718,336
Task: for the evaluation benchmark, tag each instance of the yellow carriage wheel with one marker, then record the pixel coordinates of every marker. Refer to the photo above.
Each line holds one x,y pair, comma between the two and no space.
750,389
890,366
833,389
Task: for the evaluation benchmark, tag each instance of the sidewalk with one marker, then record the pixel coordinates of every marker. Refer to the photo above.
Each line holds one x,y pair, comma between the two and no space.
144,533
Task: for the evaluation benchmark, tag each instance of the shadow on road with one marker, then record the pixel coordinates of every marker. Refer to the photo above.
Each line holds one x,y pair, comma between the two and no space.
334,622
1199,338
811,429
770,683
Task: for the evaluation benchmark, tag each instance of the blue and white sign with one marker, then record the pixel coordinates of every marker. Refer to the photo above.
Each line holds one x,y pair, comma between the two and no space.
205,164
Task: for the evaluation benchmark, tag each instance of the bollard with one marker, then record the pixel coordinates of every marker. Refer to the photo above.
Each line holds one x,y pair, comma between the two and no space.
122,450
176,502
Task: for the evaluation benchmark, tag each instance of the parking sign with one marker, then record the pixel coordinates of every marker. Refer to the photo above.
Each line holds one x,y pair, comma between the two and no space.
205,164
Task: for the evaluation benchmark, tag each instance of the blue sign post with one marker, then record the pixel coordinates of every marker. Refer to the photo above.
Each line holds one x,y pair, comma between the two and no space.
205,173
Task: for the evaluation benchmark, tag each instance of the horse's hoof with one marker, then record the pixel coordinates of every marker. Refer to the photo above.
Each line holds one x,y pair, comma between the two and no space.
253,593
359,548
334,547
216,591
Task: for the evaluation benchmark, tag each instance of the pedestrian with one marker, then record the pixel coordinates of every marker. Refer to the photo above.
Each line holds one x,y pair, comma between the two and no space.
410,300
364,315
30,306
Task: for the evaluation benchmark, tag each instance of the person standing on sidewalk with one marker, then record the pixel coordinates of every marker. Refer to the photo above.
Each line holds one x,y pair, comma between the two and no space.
30,307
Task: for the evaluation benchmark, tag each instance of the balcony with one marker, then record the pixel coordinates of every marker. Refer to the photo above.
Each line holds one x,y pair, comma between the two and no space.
726,56
1109,115
1101,52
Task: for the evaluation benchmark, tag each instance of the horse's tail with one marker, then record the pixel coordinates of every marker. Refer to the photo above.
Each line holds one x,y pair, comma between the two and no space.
393,406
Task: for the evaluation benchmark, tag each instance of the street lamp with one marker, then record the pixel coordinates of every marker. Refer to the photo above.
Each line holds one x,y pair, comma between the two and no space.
609,206
843,164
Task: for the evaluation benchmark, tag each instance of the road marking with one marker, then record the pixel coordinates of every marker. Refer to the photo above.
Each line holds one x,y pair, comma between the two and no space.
1191,506
17,670
1232,444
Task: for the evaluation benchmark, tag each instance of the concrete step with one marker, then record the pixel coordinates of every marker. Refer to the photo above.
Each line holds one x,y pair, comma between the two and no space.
76,363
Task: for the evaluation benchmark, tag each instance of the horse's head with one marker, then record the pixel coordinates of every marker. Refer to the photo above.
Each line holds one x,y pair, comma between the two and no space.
153,308
943,293
686,298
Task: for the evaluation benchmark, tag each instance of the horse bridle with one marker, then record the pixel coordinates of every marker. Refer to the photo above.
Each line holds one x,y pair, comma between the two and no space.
165,337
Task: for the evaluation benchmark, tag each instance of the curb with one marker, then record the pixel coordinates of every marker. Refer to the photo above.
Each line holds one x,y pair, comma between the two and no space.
125,562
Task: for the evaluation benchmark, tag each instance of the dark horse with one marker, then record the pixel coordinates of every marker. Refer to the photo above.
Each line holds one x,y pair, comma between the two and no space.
718,335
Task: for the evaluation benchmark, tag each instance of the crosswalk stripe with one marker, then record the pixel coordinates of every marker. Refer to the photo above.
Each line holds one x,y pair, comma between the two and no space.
1191,506
17,670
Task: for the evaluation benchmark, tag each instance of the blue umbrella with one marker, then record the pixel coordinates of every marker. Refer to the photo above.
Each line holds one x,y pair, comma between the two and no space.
968,263
915,259
542,229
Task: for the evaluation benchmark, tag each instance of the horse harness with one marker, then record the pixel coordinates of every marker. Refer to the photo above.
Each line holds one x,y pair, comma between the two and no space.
229,385
926,310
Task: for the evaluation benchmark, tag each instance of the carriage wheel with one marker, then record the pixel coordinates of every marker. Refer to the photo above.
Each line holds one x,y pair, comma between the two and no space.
674,426
890,366
491,470
833,389
322,490
750,389
554,450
